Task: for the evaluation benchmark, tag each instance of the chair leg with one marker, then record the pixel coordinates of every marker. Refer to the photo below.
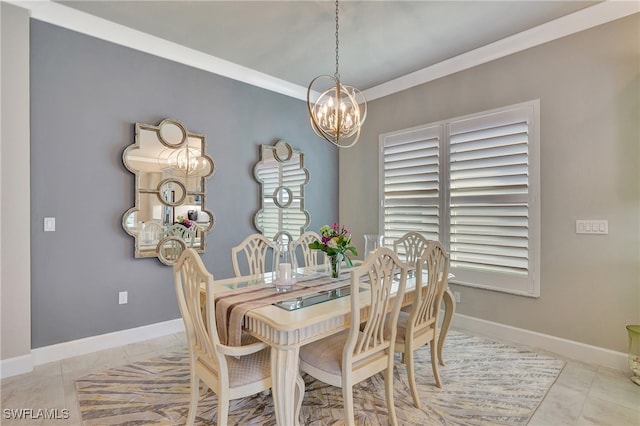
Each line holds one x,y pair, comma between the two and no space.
411,374
434,362
195,395
223,409
347,396
388,385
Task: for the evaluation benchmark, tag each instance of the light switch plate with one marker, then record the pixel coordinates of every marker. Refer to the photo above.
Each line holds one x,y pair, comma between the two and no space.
592,226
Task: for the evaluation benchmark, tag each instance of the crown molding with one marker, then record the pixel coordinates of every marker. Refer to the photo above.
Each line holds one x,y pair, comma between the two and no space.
581,20
72,19
66,17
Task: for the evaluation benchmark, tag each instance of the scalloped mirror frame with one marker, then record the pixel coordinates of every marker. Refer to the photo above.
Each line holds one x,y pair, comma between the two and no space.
171,166
282,178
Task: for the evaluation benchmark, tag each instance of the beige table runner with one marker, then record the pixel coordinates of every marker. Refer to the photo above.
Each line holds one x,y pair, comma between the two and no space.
231,306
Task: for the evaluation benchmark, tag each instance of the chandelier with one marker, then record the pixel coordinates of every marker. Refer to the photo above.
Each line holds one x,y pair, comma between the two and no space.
184,162
336,115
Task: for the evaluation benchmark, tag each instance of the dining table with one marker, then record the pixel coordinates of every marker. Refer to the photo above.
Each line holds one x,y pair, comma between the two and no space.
314,307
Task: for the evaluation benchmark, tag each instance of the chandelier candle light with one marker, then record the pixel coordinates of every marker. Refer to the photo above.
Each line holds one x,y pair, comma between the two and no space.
336,115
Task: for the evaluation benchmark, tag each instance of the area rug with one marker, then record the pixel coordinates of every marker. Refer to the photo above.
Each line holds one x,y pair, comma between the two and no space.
483,383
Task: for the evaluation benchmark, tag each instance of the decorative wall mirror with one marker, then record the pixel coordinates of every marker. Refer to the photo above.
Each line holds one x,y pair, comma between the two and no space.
170,165
282,176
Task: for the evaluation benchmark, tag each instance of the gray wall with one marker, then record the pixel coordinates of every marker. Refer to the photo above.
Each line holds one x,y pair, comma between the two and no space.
588,86
86,95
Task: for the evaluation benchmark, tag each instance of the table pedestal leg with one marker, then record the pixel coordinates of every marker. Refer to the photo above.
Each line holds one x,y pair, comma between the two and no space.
287,385
449,310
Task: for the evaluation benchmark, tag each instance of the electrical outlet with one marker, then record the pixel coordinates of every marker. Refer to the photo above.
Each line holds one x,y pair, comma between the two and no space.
123,297
49,224
456,295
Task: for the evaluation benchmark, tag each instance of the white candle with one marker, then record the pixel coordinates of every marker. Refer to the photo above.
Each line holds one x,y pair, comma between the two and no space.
285,272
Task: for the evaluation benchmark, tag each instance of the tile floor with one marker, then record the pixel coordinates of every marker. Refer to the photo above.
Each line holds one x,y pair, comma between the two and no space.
582,395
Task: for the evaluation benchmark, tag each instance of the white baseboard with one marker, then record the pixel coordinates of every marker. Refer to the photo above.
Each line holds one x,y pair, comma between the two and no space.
14,366
25,363
105,341
566,348
569,349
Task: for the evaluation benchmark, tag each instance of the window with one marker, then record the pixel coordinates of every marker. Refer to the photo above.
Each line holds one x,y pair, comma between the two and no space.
472,183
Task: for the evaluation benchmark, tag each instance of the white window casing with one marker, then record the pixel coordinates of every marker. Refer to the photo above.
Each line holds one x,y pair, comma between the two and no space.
473,184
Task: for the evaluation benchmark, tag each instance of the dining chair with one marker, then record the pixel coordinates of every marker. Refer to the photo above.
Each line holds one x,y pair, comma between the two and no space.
357,353
410,246
187,235
254,250
311,257
231,372
420,326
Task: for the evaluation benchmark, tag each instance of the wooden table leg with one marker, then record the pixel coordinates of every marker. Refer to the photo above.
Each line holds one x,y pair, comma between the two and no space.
449,310
287,385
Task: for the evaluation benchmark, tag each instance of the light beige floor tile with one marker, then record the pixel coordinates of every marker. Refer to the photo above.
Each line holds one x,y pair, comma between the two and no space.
82,365
38,391
606,413
155,347
577,375
561,407
71,399
615,387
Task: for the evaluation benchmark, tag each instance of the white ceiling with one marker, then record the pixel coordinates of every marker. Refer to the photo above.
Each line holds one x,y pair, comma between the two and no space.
381,42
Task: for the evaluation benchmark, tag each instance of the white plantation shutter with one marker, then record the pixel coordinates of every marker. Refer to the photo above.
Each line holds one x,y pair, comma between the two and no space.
411,190
489,199
484,202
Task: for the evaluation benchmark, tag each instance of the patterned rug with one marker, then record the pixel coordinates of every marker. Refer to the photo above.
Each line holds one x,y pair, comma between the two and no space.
484,383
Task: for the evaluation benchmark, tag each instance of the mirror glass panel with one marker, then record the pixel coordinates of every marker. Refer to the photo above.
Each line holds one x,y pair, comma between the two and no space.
171,166
282,177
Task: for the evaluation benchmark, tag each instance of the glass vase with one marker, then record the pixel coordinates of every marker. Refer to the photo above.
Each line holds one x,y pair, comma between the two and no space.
284,266
372,242
634,352
334,263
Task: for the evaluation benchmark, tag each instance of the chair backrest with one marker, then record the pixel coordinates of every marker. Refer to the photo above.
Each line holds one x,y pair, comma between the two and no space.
429,291
254,248
187,235
152,231
410,247
311,257
189,273
379,272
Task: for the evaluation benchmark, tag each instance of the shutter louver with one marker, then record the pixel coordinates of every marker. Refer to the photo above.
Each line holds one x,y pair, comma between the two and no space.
489,186
412,183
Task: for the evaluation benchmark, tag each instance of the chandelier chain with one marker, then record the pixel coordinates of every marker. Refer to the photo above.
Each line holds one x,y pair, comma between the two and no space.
337,74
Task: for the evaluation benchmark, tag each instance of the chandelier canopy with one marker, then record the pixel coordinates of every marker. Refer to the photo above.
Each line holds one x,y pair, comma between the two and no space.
336,115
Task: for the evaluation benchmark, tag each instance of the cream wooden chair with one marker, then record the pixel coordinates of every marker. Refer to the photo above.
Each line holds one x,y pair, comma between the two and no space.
230,371
310,257
410,247
355,354
420,326
254,248
187,235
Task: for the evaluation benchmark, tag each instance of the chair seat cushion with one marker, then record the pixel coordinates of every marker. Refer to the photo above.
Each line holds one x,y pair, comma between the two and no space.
249,368
326,354
243,369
